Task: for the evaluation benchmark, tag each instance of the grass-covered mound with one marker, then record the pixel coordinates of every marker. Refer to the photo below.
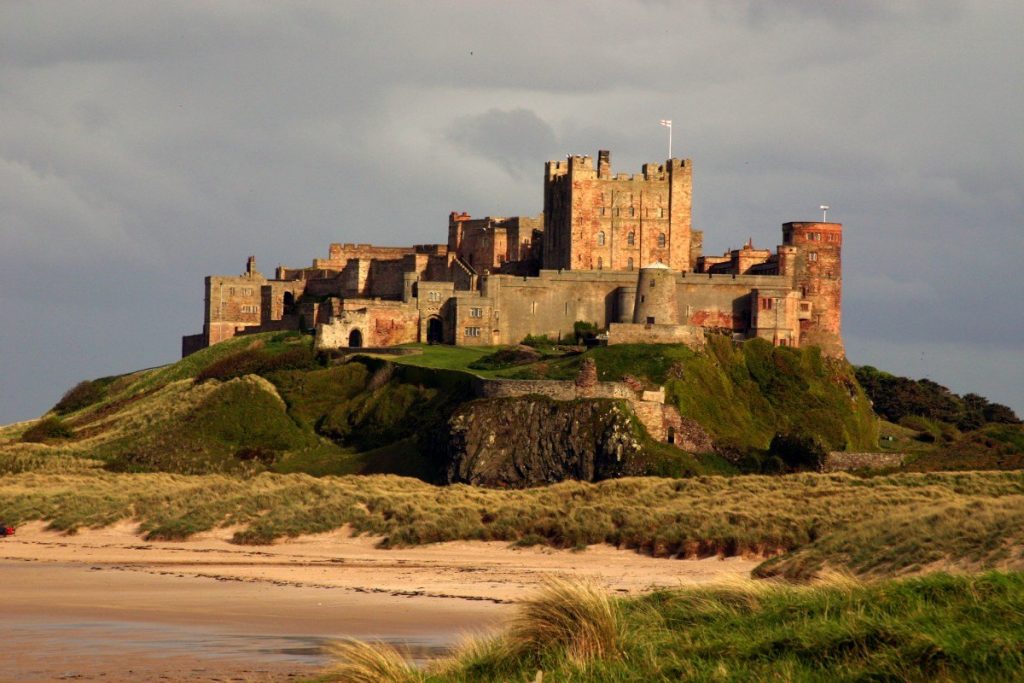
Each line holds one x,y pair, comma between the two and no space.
743,395
936,628
877,527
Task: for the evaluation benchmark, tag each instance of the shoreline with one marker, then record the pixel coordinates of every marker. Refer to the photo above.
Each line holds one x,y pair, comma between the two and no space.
204,609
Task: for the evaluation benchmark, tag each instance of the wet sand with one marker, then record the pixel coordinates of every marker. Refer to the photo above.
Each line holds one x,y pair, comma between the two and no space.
107,605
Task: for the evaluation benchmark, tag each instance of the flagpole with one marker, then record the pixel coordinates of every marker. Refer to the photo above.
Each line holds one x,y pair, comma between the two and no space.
668,124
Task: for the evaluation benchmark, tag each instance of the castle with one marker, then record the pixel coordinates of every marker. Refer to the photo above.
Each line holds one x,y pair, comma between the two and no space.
612,249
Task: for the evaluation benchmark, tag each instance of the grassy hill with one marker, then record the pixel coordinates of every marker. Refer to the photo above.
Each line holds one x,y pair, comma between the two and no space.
268,402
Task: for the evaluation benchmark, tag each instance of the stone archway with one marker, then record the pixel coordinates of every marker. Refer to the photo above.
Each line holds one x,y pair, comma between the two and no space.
435,331
355,339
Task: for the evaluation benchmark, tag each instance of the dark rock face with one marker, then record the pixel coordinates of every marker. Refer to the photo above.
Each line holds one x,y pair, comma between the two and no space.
532,440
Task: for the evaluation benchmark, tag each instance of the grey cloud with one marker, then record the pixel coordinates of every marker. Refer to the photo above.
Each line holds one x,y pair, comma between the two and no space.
144,145
516,139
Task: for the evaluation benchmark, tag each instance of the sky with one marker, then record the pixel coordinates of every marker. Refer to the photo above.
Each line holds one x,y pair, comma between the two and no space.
145,145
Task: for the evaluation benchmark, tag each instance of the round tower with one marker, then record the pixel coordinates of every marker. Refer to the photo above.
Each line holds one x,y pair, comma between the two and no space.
656,296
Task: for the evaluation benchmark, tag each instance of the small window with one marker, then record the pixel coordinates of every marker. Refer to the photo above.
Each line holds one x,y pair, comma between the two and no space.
632,211
661,240
650,320
476,313
600,238
600,263
602,210
812,257
653,282
629,263
631,238
434,295
766,304
472,331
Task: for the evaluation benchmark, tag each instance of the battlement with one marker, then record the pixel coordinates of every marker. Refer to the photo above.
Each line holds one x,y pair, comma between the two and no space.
585,257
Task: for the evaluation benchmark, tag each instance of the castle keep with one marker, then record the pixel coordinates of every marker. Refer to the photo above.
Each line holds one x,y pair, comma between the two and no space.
616,250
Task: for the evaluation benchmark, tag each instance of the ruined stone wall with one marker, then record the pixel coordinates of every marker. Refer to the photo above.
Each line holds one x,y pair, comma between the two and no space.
634,333
377,324
556,390
841,461
594,220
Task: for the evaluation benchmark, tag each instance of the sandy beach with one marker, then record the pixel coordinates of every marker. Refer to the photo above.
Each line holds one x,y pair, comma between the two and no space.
107,605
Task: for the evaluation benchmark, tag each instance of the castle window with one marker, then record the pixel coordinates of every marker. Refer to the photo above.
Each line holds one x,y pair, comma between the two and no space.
433,296
602,210
600,263
629,263
661,240
631,238
231,291
476,313
600,238
661,213
632,211
653,282
813,256
766,304
472,331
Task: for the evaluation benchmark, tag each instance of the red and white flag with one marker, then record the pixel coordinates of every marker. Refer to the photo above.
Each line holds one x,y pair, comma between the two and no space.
667,123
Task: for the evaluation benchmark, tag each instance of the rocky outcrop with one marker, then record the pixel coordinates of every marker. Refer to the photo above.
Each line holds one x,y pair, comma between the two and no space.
533,440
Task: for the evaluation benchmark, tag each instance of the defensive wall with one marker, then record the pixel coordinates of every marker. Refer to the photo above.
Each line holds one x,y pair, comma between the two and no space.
662,422
841,461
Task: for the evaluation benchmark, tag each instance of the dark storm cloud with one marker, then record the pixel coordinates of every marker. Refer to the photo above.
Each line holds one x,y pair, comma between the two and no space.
513,139
144,145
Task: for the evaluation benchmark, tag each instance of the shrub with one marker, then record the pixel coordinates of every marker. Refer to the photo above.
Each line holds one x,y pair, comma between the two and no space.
541,341
584,330
82,395
47,429
797,452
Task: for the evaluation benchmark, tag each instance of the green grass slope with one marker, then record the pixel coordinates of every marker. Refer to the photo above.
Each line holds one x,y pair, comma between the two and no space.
937,628
741,394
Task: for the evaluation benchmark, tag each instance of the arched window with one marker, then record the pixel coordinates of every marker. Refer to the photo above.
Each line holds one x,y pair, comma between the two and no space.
600,262
661,240
600,238
629,263
631,238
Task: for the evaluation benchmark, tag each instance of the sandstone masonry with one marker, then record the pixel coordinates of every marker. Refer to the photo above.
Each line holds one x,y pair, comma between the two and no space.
615,250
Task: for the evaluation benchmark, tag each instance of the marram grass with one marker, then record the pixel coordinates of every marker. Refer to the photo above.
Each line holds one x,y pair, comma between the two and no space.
935,628
808,522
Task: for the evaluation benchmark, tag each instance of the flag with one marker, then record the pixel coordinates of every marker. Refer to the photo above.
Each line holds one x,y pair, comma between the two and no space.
667,123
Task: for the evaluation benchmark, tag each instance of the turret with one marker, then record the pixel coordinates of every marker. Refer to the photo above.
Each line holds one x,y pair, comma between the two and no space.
656,296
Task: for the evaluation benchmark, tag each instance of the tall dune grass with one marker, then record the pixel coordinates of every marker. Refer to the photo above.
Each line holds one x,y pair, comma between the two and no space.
937,628
878,526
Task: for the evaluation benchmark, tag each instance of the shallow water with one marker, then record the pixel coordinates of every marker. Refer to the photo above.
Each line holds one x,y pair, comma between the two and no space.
43,649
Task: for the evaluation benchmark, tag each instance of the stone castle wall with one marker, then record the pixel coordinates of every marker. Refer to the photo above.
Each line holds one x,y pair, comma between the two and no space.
841,461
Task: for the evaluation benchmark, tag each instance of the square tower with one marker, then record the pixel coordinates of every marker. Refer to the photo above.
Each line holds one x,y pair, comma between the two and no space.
594,220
